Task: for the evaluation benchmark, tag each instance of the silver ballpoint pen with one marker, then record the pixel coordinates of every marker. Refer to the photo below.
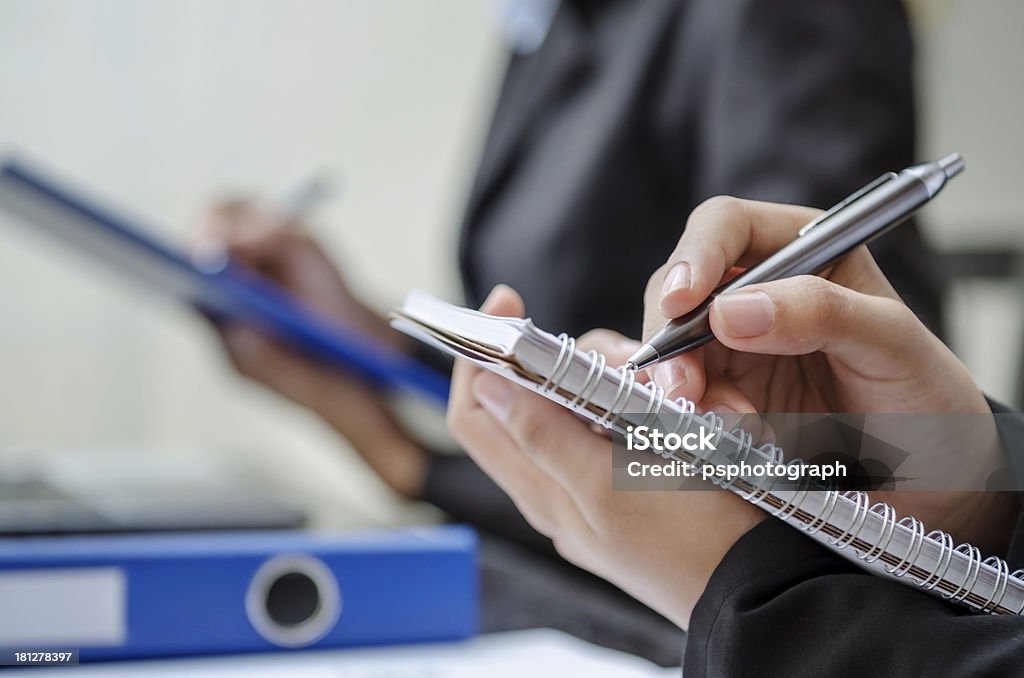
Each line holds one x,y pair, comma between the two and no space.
869,213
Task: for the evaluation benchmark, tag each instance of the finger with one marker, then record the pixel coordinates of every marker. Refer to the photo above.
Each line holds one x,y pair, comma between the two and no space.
503,301
721,233
272,247
859,271
557,441
232,218
615,347
250,352
610,343
541,500
219,218
226,229
264,360
683,376
801,315
723,398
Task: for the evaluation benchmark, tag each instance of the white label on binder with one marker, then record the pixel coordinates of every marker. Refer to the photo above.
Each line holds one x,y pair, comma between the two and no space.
79,607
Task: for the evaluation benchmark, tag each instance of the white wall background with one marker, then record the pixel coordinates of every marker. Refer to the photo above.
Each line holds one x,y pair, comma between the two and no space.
971,93
162,102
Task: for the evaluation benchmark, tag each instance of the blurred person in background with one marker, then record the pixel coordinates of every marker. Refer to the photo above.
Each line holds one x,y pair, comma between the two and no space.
615,119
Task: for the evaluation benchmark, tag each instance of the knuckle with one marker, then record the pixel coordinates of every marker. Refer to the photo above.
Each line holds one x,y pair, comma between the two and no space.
535,432
722,212
824,299
721,221
566,548
537,518
719,206
594,337
899,311
601,340
903,320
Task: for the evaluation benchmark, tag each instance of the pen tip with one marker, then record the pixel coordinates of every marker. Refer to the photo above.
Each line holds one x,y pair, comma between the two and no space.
952,164
643,357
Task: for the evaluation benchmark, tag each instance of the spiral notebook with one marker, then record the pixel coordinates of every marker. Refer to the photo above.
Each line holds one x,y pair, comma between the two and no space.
869,534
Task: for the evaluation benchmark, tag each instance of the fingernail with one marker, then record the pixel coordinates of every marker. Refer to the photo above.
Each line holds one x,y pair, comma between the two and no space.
721,408
746,314
670,376
494,393
678,278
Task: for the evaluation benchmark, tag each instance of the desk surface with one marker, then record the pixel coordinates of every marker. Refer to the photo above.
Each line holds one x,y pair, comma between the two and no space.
543,652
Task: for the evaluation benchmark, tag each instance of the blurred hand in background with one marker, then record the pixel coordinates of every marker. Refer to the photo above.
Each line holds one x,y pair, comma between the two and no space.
286,254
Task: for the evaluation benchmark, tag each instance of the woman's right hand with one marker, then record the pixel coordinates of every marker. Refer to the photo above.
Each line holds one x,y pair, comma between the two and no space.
291,258
841,342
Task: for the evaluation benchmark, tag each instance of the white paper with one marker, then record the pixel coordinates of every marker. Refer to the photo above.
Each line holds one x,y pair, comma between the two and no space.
62,607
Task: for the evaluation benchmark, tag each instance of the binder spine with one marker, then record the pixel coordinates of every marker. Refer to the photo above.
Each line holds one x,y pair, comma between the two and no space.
984,585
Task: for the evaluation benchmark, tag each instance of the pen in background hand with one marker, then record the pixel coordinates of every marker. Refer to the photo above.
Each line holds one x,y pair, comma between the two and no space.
290,210
867,214
297,203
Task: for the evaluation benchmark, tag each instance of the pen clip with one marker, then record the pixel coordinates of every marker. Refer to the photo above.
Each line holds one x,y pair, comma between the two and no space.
848,200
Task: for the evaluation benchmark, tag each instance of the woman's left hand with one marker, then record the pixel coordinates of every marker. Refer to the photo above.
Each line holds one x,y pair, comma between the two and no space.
660,547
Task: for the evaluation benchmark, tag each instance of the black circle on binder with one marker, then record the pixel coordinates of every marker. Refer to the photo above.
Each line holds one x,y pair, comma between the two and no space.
292,599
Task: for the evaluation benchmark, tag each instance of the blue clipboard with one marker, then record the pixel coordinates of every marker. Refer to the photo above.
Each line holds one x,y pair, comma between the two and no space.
228,291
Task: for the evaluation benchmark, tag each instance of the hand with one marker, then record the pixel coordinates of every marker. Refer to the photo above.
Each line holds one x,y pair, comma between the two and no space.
841,342
660,547
355,409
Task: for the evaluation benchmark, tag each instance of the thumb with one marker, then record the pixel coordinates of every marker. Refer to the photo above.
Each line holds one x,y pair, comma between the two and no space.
875,336
504,301
553,437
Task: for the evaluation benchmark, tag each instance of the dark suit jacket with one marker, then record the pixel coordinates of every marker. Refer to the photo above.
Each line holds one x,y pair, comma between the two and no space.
632,113
780,604
629,115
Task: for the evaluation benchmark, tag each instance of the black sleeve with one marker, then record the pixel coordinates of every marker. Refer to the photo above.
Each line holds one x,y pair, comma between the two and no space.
779,604
806,101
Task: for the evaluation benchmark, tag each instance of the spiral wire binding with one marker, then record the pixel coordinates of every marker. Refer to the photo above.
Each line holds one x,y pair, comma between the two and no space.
973,569
888,514
770,453
821,520
860,500
1002,579
590,384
